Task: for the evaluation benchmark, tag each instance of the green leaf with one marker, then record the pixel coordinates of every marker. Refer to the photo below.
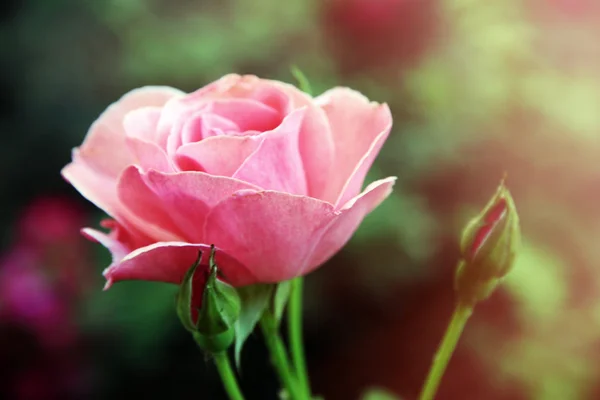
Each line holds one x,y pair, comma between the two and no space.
303,82
280,300
379,394
184,296
255,299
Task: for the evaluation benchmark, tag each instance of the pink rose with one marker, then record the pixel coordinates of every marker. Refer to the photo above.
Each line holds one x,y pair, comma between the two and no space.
268,174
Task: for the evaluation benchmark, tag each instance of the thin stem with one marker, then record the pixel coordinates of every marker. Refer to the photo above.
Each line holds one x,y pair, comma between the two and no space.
444,353
228,376
279,356
295,332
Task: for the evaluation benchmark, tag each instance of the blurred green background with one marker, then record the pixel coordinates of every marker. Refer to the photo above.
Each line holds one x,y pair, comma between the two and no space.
476,88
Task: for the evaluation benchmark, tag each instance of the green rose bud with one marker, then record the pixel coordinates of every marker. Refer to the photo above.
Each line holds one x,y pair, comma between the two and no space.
489,244
208,307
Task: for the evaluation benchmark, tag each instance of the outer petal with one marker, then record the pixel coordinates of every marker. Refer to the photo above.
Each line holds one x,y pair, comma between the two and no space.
145,209
316,141
95,186
350,217
317,151
356,125
188,197
217,155
169,261
272,233
276,164
354,183
103,154
120,241
117,249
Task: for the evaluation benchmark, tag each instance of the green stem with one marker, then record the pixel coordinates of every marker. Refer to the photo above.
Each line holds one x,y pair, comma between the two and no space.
444,353
295,332
279,356
228,376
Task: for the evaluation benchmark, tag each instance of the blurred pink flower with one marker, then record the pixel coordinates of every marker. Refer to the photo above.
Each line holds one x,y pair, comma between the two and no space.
41,277
365,34
49,226
30,299
49,220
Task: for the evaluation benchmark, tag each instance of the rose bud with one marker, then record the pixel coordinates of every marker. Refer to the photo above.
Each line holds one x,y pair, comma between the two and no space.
208,307
489,245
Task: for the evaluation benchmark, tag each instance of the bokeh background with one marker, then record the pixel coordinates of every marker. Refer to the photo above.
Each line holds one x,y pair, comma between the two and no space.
476,88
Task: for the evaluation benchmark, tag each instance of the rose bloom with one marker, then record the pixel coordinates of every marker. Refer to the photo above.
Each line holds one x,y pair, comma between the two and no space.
265,172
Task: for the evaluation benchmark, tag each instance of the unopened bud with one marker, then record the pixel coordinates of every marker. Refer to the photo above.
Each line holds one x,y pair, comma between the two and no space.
208,307
489,245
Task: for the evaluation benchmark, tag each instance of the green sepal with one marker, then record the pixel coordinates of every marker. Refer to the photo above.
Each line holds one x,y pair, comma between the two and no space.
280,299
303,82
255,300
215,343
184,296
221,307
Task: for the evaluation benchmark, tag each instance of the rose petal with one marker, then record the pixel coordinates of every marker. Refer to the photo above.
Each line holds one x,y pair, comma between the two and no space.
316,142
144,207
217,155
100,190
141,129
253,103
249,115
268,92
350,217
104,146
150,155
95,186
103,155
276,164
131,238
272,233
117,249
187,197
355,125
317,150
355,182
204,125
142,123
195,126
169,261
297,97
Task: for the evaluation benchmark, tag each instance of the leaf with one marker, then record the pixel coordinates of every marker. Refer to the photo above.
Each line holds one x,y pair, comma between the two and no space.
379,394
280,300
303,82
255,299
